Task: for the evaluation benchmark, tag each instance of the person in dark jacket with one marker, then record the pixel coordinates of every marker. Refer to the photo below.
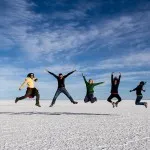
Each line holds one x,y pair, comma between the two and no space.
114,90
139,94
61,87
31,90
90,90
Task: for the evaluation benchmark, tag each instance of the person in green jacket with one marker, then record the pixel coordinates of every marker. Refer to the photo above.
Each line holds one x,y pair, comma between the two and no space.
90,90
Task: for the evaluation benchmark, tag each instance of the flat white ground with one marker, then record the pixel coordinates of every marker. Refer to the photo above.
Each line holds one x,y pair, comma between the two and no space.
98,126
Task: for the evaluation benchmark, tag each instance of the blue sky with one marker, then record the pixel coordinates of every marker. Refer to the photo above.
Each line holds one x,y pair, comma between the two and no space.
94,37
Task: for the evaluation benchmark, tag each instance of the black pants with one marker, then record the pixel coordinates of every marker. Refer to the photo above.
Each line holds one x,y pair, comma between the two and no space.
112,96
62,90
31,92
138,100
90,98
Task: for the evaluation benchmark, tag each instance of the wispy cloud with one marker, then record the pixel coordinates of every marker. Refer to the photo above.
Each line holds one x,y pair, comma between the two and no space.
139,59
79,35
69,38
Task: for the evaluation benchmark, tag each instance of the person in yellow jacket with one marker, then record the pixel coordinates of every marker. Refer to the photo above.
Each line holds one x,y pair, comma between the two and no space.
31,90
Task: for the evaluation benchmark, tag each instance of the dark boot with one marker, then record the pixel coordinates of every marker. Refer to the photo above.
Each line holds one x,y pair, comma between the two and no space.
116,104
16,100
51,105
113,104
145,104
75,102
38,105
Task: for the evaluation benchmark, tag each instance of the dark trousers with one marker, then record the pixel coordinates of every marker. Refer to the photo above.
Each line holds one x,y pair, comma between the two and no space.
112,96
90,98
138,99
31,92
62,90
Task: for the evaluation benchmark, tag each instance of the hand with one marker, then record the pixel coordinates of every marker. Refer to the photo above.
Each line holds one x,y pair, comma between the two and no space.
74,70
112,73
35,79
119,73
82,74
144,90
19,89
130,90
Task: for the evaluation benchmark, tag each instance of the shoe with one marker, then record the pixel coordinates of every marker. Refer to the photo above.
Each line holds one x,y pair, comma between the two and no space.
38,105
116,104
145,104
51,105
16,100
113,103
93,101
75,102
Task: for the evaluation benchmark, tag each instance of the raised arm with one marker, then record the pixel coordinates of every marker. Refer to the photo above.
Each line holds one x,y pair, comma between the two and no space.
119,77
69,74
84,79
95,84
52,74
112,77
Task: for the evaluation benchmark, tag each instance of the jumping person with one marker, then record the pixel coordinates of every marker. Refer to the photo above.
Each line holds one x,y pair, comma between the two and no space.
90,90
139,90
114,90
61,87
31,90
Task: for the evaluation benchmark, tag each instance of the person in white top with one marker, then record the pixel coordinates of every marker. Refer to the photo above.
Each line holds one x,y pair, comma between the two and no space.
31,90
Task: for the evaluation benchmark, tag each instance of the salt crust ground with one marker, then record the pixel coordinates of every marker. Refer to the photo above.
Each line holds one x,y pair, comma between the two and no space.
98,126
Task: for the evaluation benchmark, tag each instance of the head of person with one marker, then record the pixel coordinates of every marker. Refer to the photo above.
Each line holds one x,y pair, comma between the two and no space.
142,83
91,81
115,80
30,75
60,76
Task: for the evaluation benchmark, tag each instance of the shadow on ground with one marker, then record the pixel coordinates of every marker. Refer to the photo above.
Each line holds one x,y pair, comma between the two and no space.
55,113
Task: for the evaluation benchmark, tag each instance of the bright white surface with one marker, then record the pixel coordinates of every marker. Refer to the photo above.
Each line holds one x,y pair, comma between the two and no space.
65,126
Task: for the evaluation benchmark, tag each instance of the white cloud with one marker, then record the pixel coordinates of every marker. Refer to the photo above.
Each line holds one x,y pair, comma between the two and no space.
66,38
139,59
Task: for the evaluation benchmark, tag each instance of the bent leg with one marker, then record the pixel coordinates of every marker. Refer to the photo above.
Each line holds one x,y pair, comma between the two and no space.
86,99
118,97
110,98
28,93
92,98
37,96
138,99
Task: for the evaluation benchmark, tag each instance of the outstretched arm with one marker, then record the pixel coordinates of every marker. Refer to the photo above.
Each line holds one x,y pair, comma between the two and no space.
69,74
35,79
52,73
23,84
95,84
133,89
